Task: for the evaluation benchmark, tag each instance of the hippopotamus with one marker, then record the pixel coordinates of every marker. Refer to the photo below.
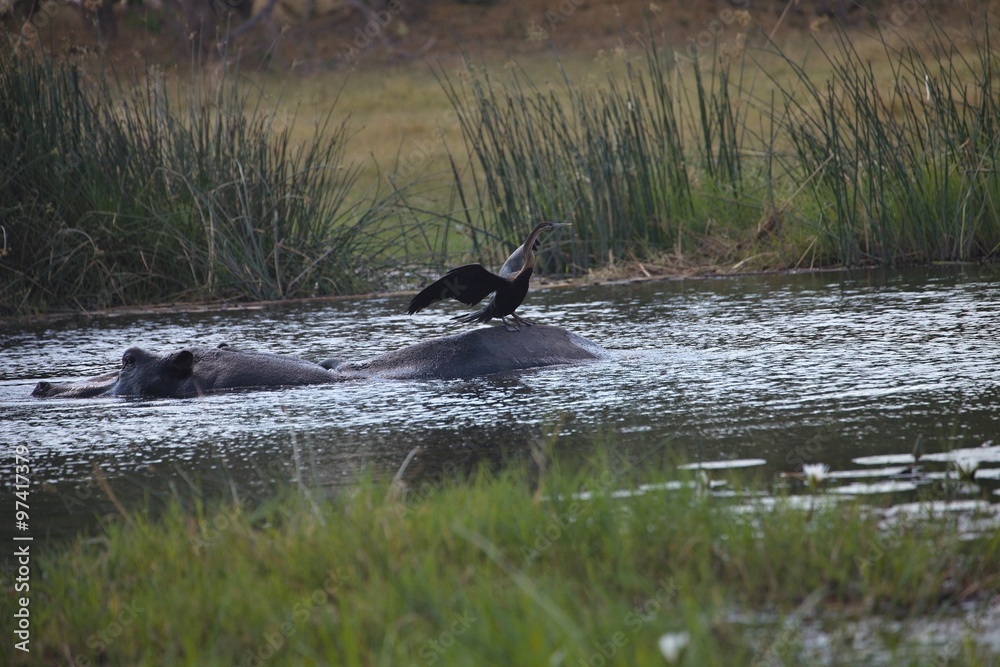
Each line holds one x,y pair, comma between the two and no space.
194,371
483,351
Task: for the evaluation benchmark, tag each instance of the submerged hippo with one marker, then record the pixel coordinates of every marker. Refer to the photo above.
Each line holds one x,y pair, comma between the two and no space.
199,370
192,371
481,351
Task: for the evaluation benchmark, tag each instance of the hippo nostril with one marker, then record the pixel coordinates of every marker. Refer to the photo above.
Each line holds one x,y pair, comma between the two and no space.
42,388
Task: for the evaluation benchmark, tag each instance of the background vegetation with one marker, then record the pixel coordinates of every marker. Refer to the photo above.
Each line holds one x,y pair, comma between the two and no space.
116,194
734,153
715,158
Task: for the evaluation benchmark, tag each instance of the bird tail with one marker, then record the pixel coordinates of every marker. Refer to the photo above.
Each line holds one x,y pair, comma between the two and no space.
484,314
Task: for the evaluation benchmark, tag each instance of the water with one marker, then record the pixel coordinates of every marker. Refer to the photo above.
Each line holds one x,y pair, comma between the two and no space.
787,369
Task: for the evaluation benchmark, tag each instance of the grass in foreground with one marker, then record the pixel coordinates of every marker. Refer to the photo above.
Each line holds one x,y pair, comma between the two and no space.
503,569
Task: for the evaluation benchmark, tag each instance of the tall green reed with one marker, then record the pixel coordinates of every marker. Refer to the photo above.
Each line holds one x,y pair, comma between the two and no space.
125,191
906,173
669,150
630,161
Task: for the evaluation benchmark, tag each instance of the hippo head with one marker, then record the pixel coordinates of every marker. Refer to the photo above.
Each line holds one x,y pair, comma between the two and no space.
146,374
141,374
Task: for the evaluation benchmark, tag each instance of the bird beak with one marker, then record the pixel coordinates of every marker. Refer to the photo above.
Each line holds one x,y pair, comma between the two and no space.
556,225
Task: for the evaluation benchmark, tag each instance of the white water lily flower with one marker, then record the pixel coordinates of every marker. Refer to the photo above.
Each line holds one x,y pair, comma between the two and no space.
815,472
672,644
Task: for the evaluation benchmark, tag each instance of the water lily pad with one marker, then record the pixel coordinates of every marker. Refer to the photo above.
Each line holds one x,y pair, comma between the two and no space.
670,485
978,454
938,508
676,485
885,460
803,502
723,465
869,488
941,474
620,493
867,472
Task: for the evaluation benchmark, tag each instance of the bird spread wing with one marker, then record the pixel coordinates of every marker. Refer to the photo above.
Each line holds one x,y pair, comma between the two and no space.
469,284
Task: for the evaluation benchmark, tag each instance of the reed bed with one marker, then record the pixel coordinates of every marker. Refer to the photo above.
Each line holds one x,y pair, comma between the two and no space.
157,188
906,172
127,191
714,157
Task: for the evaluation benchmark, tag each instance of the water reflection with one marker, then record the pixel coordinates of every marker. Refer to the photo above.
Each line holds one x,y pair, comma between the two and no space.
791,369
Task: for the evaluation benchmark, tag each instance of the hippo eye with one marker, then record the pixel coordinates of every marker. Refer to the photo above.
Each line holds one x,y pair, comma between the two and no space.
128,360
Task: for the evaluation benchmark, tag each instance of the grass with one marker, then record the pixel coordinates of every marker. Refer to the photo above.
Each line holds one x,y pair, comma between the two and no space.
843,150
856,157
906,170
503,568
126,192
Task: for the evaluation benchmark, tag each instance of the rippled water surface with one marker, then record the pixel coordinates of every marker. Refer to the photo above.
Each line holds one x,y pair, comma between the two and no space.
827,367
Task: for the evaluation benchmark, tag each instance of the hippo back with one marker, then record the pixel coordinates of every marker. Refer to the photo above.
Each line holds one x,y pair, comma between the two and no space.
482,351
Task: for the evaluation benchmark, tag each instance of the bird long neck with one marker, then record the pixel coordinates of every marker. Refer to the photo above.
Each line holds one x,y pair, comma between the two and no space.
529,246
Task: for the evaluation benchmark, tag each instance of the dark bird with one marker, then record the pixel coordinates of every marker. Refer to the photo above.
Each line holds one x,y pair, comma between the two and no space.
472,283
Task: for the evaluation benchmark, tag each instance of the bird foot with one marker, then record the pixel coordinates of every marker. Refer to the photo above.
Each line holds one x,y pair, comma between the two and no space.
507,326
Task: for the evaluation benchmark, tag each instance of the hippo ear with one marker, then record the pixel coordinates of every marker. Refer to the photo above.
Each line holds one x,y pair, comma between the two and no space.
180,364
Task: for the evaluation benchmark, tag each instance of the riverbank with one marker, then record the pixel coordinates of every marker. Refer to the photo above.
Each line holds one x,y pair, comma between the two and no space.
775,146
611,562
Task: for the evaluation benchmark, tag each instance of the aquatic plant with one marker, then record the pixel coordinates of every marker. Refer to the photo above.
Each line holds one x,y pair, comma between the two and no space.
827,166
157,188
124,192
616,159
904,172
815,473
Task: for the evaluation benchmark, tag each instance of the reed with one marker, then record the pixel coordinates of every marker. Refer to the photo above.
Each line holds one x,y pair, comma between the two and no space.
615,158
830,164
907,171
142,190
157,188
